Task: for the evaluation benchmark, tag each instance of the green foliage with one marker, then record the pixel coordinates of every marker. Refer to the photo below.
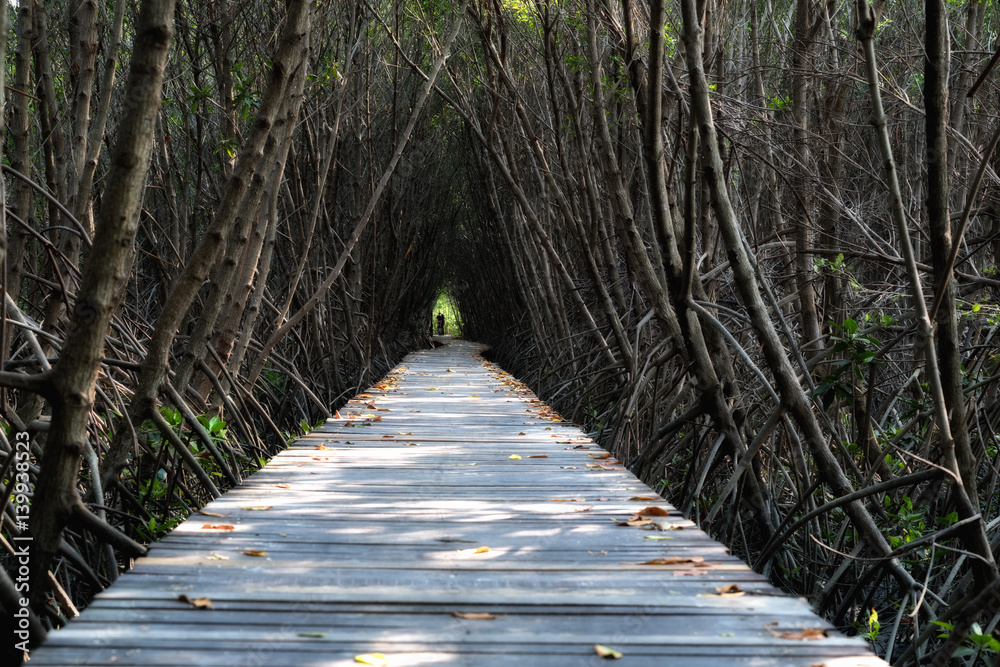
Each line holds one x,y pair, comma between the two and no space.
153,530
246,97
172,415
325,75
446,304
198,96
976,643
156,487
276,380
306,427
908,522
856,352
871,632
520,10
781,104
215,426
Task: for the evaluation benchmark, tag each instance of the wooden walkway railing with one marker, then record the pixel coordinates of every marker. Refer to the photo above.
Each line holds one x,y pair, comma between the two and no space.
449,518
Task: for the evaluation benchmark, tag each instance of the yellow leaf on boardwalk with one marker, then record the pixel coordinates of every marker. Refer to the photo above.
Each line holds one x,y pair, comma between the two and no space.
473,552
514,456
607,653
372,659
474,615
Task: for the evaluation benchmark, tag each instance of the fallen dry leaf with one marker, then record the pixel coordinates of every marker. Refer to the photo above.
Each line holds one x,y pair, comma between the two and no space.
257,508
377,419
652,511
605,455
283,486
674,560
197,603
566,500
730,590
474,615
539,456
217,557
805,634
404,433
522,433
570,467
255,552
644,498
607,653
372,659
632,522
481,550
221,526
204,513
514,456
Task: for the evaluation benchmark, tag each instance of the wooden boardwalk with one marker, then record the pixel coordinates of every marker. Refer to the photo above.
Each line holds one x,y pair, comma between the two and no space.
448,518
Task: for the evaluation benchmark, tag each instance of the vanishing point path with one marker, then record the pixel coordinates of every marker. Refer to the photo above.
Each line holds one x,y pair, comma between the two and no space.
448,518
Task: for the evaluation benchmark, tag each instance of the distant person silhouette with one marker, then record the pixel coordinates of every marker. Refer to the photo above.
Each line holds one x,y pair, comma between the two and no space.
440,319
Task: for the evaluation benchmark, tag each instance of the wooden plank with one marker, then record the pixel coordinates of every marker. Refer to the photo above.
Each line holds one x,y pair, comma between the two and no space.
371,525
323,656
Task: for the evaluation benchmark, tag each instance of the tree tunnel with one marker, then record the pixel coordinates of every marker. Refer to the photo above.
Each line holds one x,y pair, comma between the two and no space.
676,223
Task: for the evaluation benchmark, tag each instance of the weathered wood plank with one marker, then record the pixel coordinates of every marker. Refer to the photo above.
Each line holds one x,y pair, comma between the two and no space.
371,524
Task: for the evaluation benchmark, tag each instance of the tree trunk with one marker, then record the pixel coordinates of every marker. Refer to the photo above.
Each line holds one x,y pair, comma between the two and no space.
745,280
188,283
957,453
73,378
21,197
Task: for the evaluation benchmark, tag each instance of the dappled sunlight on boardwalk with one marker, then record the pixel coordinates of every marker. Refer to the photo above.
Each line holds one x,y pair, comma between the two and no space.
447,518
